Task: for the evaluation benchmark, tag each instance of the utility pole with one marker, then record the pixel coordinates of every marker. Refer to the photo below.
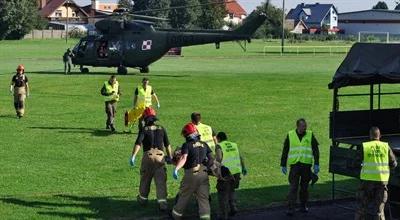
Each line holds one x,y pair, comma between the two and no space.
66,24
283,27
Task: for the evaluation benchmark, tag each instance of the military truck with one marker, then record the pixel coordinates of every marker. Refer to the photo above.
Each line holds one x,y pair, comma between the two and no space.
361,84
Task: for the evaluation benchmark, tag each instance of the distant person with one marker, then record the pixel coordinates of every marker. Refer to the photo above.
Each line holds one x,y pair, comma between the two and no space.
154,140
67,58
102,50
299,149
377,159
111,92
144,95
207,134
20,89
195,157
227,153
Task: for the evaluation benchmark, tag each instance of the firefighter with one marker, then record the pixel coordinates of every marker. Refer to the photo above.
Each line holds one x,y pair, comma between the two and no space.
154,140
377,159
207,134
227,153
195,157
299,149
111,92
20,89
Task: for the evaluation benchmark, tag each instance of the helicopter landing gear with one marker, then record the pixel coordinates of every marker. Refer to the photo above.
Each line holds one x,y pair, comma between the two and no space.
144,69
122,70
84,70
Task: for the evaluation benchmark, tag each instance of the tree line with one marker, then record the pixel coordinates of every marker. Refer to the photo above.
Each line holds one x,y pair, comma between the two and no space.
384,6
19,17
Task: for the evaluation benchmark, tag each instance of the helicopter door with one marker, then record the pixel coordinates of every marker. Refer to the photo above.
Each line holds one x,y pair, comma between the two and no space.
82,48
102,49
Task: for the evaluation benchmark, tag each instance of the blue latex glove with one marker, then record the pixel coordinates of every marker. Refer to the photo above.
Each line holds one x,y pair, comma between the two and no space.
175,174
284,170
158,105
316,169
244,172
132,161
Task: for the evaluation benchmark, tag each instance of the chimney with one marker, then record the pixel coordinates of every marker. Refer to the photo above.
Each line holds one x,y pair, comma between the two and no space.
42,3
95,6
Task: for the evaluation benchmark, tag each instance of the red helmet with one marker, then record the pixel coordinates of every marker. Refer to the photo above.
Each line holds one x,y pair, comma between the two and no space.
189,129
149,112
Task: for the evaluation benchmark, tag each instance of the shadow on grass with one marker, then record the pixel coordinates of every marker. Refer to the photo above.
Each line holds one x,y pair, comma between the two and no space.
83,207
93,131
107,73
8,116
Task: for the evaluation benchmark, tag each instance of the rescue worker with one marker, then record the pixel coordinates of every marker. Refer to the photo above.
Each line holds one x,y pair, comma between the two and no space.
144,95
67,58
299,149
377,159
20,89
196,156
207,134
227,153
111,93
154,140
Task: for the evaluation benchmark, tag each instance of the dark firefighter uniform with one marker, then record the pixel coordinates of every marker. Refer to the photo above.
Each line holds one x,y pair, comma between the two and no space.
20,89
227,153
111,93
195,180
378,158
299,151
154,140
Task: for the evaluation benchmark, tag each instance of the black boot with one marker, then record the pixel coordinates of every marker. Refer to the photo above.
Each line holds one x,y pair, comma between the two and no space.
303,208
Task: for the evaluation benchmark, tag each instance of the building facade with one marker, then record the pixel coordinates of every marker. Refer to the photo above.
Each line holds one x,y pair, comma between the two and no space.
370,21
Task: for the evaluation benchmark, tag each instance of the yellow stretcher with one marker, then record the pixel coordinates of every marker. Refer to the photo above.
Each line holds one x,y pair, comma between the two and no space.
134,115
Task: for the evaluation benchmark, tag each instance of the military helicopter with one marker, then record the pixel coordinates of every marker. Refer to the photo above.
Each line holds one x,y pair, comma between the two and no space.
130,40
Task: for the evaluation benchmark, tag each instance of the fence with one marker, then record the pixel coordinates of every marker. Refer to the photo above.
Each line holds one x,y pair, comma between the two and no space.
45,34
313,50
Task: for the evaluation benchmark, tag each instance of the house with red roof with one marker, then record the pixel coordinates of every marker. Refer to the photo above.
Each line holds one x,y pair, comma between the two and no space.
235,14
56,11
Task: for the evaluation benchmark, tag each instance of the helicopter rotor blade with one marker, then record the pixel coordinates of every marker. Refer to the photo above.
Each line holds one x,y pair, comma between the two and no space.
180,7
151,18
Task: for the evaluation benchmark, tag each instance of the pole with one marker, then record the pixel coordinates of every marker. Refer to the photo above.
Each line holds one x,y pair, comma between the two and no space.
283,27
66,24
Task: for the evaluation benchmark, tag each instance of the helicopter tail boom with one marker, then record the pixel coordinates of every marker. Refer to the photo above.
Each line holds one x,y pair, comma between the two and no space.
251,24
180,38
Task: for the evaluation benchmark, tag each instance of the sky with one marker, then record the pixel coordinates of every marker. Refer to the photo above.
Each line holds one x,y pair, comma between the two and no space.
341,5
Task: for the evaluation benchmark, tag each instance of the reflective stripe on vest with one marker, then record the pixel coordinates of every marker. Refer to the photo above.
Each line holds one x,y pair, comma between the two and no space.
109,90
144,96
231,157
300,151
206,135
375,166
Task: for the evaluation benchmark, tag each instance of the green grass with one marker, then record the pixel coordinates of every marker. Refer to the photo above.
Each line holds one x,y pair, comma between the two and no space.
58,162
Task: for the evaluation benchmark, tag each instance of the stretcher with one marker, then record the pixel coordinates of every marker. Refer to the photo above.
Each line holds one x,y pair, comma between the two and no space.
133,115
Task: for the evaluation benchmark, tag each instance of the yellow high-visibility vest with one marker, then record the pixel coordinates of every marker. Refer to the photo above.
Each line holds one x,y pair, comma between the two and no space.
231,157
206,135
375,166
144,96
300,151
109,90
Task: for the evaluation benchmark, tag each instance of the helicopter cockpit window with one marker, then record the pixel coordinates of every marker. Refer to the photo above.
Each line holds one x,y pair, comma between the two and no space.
83,45
102,50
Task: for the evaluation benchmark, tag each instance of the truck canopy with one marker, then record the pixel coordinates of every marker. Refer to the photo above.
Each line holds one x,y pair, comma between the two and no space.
368,63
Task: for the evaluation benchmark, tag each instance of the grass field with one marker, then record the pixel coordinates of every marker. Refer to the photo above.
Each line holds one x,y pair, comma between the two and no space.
59,163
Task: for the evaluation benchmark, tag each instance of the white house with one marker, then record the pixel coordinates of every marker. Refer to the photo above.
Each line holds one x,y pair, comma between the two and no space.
373,20
236,14
313,18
